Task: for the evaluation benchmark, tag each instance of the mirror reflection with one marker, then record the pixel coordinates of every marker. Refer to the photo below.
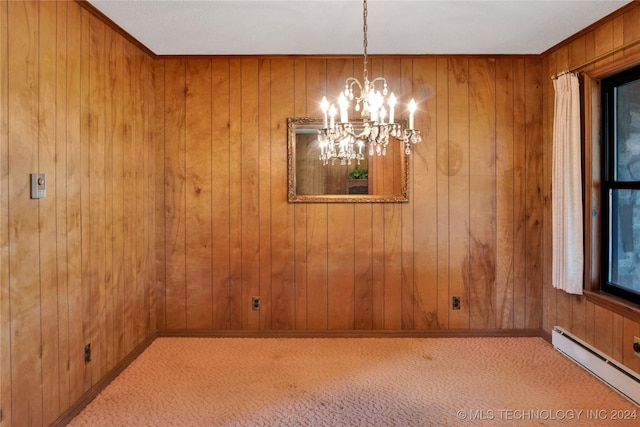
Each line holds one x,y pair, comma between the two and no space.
373,179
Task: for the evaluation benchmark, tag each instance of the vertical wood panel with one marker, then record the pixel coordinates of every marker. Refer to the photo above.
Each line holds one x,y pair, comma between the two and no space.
264,192
519,194
96,195
589,47
73,180
47,211
377,271
140,162
175,194
109,70
61,206
250,197
363,261
481,260
393,278
617,335
118,155
459,242
85,121
130,225
618,35
150,136
445,167
220,215
378,242
340,284
603,322
143,249
363,268
236,308
505,224
160,239
300,209
285,286
316,222
549,316
198,194
535,200
631,29
317,250
409,289
420,217
26,334
392,267
137,188
5,319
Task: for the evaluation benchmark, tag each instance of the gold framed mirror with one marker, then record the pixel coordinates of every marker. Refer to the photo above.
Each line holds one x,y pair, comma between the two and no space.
374,179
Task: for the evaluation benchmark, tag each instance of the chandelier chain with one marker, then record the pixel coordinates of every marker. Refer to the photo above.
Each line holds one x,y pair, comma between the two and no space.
365,41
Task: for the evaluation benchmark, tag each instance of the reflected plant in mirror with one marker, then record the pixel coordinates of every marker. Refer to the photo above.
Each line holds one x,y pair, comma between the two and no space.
366,178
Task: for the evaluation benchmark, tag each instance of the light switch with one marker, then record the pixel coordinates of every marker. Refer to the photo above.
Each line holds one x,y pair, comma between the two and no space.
38,186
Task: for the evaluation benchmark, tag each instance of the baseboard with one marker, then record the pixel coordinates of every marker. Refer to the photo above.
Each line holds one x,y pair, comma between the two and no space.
444,333
90,394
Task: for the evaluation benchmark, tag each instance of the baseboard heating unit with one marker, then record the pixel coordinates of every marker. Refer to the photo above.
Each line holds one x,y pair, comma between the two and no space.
612,373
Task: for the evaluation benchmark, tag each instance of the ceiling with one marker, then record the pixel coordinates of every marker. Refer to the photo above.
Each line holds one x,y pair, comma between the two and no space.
334,27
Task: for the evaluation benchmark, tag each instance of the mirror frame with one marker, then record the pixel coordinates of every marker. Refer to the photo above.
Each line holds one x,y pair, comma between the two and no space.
292,124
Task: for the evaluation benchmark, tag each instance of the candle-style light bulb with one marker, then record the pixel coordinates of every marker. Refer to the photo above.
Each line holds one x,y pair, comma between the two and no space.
332,115
344,104
412,109
324,106
392,104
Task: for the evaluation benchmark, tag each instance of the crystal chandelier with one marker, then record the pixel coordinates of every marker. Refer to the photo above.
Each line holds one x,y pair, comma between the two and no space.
344,140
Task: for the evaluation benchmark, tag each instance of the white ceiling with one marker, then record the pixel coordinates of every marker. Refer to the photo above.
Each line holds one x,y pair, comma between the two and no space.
334,27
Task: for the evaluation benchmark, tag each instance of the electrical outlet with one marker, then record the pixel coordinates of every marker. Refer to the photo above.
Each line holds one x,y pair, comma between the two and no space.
636,346
255,303
455,303
87,353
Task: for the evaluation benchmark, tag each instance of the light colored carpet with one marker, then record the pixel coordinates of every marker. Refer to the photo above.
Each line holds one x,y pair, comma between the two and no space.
355,382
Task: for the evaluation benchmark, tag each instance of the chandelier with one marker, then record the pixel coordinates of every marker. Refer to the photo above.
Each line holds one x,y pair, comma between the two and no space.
347,140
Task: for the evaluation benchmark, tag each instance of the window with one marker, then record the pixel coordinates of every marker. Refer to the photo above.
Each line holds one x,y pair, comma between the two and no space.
621,185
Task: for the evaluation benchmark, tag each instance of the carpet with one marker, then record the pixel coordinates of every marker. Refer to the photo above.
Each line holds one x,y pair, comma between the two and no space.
355,382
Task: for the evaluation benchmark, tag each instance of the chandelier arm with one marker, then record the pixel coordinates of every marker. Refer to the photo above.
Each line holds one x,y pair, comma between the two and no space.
351,81
378,79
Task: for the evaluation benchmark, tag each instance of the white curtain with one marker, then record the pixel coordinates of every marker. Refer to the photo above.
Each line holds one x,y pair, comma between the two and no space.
567,240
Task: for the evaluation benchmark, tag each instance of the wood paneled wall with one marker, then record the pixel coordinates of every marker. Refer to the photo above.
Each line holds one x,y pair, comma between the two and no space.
76,103
608,331
472,228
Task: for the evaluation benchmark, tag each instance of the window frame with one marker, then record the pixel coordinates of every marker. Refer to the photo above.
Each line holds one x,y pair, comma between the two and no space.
609,147
590,78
